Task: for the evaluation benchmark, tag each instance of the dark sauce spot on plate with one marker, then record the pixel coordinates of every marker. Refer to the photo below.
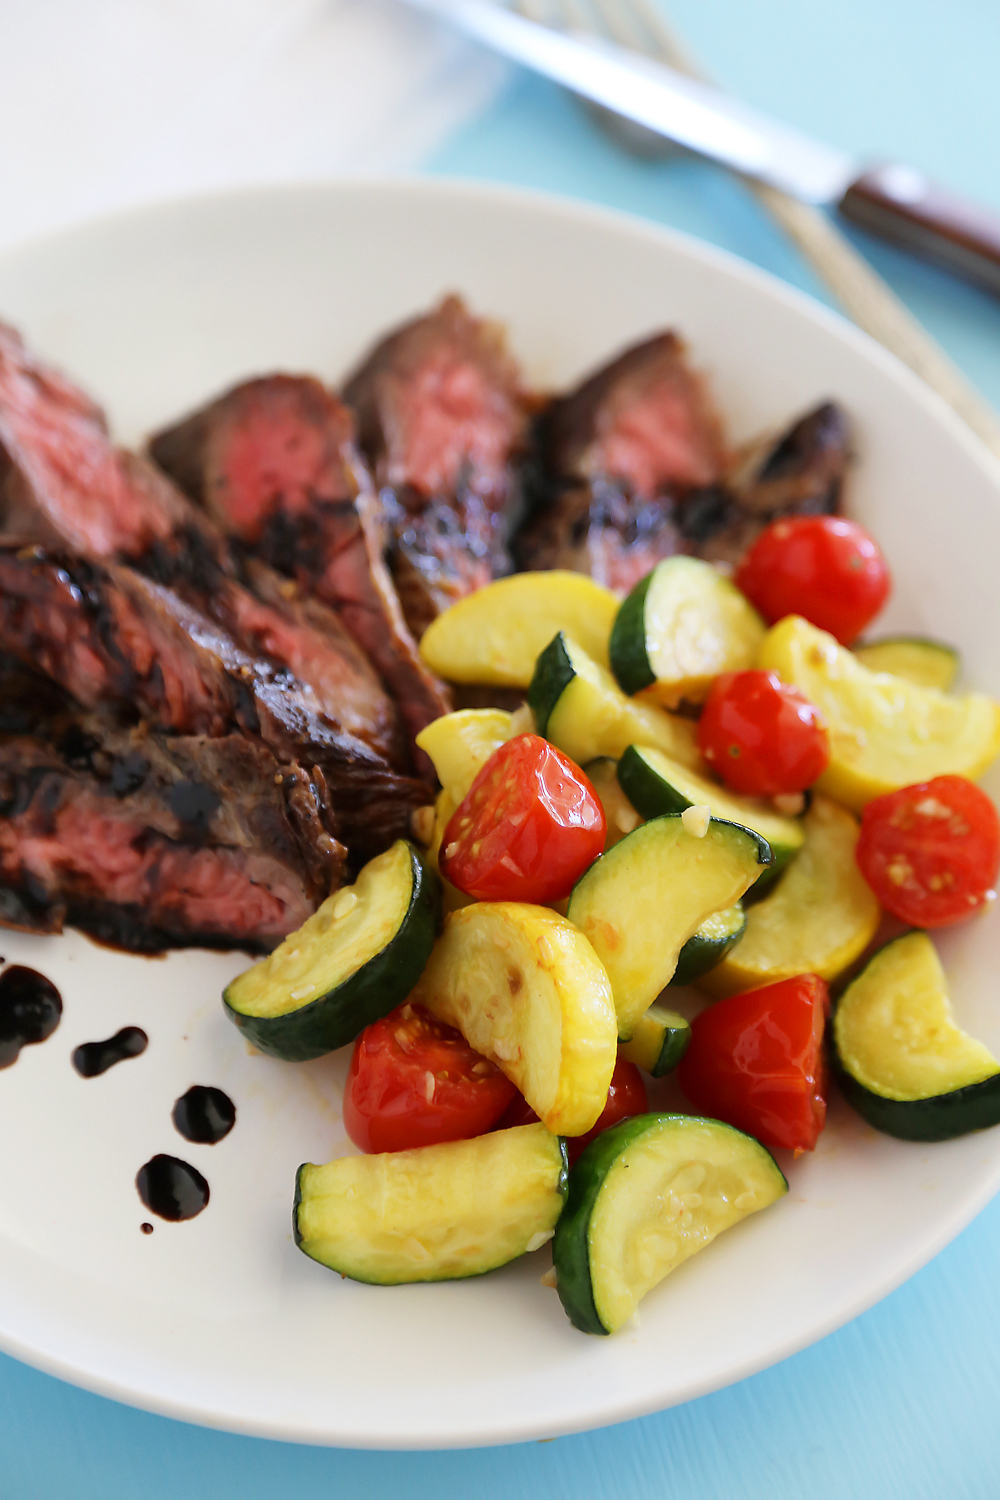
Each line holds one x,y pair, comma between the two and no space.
146,1228
204,1115
171,1189
30,1011
93,1058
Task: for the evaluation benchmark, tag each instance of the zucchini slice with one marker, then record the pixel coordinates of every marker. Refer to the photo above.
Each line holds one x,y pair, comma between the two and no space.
435,1213
619,813
659,1041
656,785
460,744
885,732
582,710
354,960
681,626
920,660
526,989
818,919
495,635
716,936
644,1197
904,1064
641,902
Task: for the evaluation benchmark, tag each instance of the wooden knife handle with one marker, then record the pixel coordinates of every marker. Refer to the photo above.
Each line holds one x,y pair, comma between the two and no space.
900,204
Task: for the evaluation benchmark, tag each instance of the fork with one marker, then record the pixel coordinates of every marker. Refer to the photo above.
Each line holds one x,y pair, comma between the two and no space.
861,292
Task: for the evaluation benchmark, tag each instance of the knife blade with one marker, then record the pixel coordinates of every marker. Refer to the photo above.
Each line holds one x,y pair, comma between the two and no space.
894,201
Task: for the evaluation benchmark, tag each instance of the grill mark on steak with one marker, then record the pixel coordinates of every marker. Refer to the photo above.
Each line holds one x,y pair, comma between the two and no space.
105,633
273,461
198,844
440,412
799,472
62,484
630,468
612,460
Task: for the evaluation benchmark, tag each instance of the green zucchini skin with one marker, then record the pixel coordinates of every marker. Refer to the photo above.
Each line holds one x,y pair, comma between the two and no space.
702,952
675,1043
652,796
933,1117
571,1246
627,647
335,1019
371,1253
940,1118
552,676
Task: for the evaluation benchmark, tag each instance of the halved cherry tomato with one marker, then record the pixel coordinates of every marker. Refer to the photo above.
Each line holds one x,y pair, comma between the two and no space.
626,1097
825,568
527,829
762,736
931,852
414,1082
756,1061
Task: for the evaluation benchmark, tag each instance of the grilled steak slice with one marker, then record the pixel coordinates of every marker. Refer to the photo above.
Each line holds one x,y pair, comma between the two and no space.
63,484
440,412
153,842
800,472
645,422
274,462
107,634
614,458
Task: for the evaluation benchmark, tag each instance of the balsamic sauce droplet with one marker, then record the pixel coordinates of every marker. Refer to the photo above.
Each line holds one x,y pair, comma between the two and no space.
204,1115
171,1189
30,1010
146,1228
93,1058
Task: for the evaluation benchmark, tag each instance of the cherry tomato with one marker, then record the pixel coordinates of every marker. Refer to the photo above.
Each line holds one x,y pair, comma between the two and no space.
823,567
756,1061
762,736
931,852
529,826
414,1081
626,1097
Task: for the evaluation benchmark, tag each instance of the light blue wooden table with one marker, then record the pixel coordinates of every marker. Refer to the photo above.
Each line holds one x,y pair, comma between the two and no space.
905,1401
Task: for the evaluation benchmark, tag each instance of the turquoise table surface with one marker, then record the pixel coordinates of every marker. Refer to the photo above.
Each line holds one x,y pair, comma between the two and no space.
905,1401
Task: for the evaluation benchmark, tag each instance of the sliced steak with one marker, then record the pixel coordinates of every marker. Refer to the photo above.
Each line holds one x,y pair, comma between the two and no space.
440,412
613,460
108,634
273,461
800,471
63,484
152,842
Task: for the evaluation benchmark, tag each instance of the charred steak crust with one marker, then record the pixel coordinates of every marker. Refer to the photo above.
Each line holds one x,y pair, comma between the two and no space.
63,484
273,461
612,460
107,634
152,841
441,413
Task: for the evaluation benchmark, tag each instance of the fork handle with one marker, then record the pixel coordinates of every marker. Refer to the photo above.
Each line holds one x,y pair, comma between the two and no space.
899,204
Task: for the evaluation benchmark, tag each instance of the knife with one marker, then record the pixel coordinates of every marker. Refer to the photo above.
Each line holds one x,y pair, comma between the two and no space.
894,201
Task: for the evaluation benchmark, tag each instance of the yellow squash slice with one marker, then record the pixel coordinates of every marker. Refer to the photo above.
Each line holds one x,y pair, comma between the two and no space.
526,989
885,732
495,635
820,918
460,744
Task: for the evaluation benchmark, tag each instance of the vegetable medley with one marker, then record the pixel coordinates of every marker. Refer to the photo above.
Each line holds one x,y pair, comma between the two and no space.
677,803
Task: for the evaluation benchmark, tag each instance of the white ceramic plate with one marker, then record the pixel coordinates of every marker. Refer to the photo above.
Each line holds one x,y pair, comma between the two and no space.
220,1320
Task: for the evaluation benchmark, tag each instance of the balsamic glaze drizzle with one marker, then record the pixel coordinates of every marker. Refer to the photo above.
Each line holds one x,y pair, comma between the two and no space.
30,1011
93,1058
204,1115
171,1189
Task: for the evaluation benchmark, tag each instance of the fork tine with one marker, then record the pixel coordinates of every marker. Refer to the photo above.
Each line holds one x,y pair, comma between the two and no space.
622,23
665,43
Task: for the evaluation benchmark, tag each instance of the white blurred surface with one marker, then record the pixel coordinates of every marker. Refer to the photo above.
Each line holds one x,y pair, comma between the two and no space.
107,103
